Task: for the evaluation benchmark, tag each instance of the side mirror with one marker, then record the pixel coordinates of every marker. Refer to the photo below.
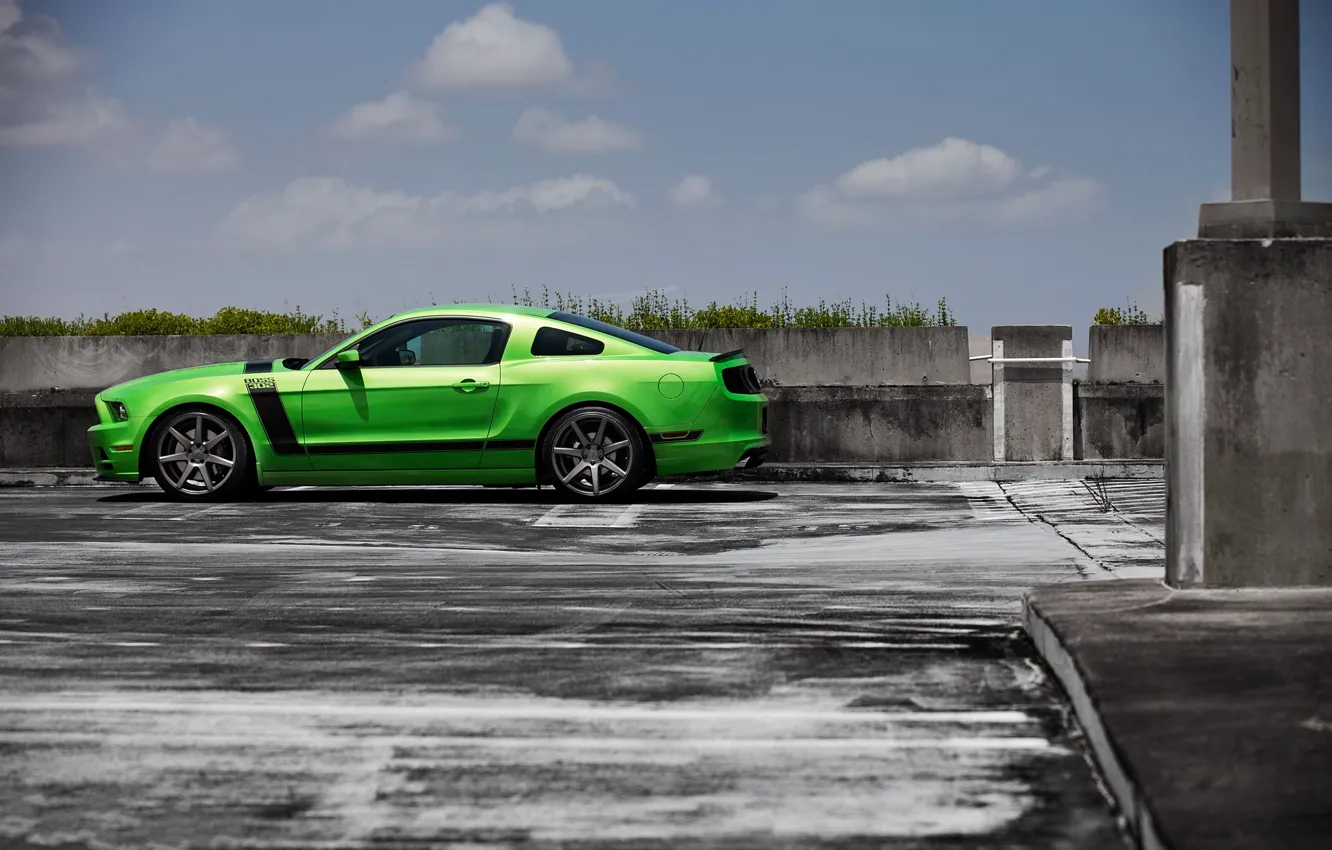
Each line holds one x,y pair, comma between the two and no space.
349,359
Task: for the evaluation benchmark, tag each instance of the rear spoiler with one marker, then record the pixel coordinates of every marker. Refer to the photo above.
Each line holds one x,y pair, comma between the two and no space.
717,358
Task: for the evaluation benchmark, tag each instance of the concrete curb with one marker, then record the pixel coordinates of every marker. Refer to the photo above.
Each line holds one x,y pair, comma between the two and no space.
924,473
59,478
1134,808
945,472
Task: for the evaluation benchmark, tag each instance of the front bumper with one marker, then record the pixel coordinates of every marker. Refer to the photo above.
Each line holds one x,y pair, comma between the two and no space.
115,450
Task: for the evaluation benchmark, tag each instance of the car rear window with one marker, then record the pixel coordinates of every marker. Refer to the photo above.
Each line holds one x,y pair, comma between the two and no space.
554,342
611,330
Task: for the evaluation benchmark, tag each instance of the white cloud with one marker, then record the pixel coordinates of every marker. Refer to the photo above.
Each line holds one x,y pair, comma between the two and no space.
951,168
42,104
400,118
329,213
38,106
824,207
954,180
549,131
33,48
81,120
1062,199
695,190
9,14
188,147
496,50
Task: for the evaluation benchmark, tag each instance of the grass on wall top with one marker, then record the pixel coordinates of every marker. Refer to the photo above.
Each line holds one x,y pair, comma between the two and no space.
651,311
1130,314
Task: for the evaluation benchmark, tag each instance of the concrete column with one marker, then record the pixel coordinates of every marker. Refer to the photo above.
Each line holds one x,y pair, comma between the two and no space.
1265,130
1033,402
1265,100
1249,413
1249,345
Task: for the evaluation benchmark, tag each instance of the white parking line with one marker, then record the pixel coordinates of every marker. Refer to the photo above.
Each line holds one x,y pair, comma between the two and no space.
595,516
588,516
509,710
853,745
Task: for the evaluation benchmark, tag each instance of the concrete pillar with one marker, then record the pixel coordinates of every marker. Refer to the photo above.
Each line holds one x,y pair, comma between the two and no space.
1249,413
1265,100
1265,130
1033,401
1249,345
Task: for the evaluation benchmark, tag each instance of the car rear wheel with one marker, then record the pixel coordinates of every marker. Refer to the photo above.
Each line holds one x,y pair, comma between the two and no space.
594,454
200,455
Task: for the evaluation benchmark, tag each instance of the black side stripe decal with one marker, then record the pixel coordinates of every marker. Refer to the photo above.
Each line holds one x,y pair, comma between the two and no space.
434,445
386,448
258,366
273,416
509,445
425,446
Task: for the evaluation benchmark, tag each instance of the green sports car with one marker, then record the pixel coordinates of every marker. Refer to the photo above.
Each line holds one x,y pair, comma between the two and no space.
477,394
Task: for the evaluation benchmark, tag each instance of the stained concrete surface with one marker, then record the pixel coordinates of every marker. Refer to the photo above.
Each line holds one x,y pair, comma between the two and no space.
1216,704
1119,420
716,666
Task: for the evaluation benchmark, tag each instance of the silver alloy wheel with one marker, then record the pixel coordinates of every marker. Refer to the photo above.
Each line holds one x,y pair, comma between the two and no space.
592,454
197,453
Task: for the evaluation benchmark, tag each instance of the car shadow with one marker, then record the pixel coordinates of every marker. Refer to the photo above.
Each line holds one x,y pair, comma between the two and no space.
464,496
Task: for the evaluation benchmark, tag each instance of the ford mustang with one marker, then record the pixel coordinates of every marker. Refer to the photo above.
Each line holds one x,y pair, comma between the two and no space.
478,394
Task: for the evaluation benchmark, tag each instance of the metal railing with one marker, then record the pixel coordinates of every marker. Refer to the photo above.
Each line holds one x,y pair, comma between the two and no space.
990,358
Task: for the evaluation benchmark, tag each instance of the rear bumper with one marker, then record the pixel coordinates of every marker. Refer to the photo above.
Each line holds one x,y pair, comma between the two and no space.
731,431
701,457
753,458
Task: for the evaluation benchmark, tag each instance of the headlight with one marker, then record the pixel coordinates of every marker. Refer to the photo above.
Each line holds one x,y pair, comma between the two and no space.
118,411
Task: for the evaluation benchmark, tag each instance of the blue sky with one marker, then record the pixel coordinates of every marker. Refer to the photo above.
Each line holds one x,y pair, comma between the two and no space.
1027,159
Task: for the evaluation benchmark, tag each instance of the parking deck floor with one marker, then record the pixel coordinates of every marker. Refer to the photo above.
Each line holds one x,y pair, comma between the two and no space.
749,665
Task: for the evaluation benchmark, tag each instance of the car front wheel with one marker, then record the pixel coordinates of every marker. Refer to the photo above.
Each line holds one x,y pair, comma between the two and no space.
200,455
594,454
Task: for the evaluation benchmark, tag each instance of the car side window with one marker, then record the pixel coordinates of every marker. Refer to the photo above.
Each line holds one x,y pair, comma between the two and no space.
554,342
434,342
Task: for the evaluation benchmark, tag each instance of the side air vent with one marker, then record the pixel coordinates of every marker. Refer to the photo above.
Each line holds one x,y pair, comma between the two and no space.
741,380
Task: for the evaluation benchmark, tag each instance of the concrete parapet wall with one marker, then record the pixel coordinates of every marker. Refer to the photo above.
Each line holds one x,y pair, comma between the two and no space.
1119,421
782,356
40,363
819,414
883,425
808,424
1126,354
45,429
841,356
880,424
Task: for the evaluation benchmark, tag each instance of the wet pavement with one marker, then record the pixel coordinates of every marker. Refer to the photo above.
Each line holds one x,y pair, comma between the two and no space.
754,665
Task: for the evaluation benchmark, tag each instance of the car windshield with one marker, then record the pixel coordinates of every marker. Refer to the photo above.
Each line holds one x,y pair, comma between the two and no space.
611,330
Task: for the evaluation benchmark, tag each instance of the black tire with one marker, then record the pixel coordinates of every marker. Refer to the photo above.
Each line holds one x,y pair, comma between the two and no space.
600,453
192,467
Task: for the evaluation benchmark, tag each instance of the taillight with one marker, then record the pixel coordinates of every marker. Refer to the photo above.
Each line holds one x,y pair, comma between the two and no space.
741,380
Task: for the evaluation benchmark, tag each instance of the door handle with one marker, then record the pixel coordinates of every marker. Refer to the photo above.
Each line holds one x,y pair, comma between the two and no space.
471,386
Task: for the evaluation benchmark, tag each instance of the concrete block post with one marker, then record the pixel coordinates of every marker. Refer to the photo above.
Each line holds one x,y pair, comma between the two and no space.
1033,401
1249,413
